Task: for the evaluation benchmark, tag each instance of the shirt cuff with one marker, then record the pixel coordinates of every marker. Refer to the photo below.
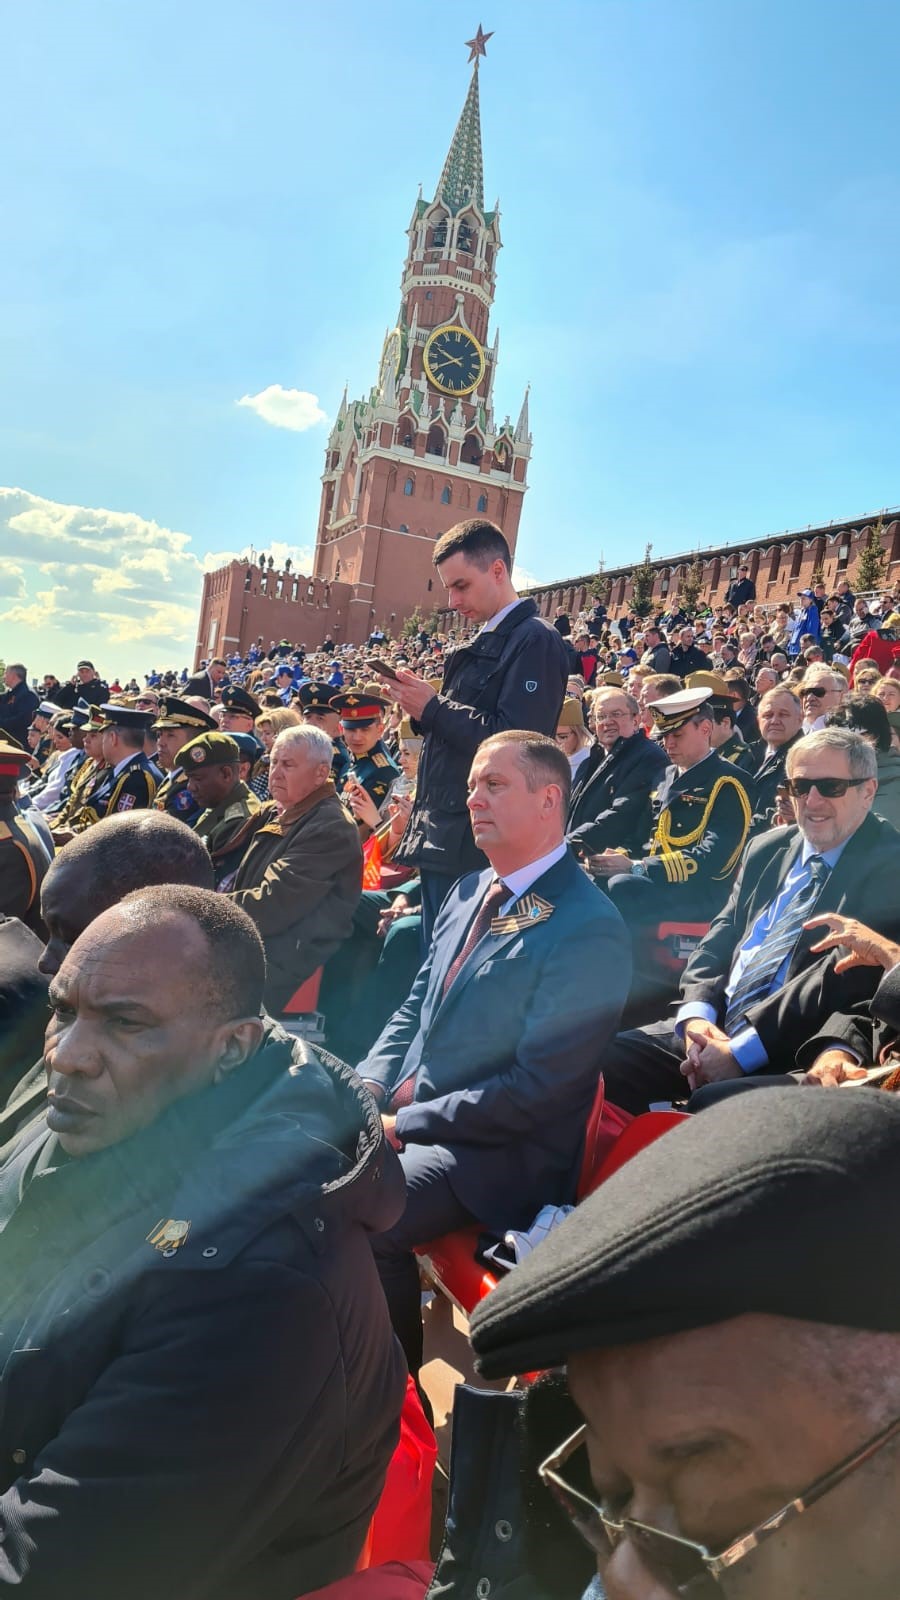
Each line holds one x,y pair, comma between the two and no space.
748,1050
697,1009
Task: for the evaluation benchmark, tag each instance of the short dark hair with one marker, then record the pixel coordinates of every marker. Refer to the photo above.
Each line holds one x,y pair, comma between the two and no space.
137,850
540,758
864,714
132,738
481,542
236,970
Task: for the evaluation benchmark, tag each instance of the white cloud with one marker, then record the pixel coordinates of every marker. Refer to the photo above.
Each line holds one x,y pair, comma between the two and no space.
113,578
296,409
12,580
523,579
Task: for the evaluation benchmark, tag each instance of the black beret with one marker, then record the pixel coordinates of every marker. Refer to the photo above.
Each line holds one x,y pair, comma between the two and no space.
782,1201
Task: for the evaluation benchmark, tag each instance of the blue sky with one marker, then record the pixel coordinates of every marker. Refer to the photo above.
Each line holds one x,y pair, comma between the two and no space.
701,222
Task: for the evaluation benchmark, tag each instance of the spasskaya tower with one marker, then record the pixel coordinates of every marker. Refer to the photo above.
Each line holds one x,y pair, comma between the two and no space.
422,450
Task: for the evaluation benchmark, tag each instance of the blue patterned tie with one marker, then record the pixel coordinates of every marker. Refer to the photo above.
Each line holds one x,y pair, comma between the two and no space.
759,974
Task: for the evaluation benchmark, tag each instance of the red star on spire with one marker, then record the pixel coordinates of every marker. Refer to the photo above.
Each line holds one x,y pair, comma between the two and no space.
476,46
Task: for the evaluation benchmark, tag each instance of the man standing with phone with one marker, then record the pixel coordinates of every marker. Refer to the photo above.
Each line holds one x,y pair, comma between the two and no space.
511,674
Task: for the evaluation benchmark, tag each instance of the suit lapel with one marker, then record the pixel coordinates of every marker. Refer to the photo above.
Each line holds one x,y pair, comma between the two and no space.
548,886
452,943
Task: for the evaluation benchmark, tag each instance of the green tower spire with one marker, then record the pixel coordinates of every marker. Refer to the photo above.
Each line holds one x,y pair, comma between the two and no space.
462,178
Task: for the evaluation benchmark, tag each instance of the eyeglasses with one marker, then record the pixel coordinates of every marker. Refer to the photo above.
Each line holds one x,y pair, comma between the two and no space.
680,1562
815,691
829,788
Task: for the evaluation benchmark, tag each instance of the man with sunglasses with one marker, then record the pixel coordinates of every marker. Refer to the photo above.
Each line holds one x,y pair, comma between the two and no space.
754,990
727,1309
821,692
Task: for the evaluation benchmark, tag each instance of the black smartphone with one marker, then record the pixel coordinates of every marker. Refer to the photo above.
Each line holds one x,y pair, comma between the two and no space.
383,670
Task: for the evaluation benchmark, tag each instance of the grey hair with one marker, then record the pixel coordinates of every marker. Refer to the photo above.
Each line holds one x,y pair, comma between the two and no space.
608,689
860,756
316,743
818,674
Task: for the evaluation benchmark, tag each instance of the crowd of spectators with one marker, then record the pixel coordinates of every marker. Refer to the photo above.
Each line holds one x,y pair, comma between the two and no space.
347,947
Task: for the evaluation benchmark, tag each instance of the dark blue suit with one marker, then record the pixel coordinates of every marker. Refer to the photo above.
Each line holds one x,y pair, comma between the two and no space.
505,1066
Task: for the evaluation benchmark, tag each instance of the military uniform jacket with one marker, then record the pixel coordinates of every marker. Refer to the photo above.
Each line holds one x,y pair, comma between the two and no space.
513,677
741,755
174,797
131,789
213,1416
219,826
70,782
702,821
374,772
23,863
87,779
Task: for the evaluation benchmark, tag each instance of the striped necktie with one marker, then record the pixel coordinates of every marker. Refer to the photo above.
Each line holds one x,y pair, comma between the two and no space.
759,974
481,923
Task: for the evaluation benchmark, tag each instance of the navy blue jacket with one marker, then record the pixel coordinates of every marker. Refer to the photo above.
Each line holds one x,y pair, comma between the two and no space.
506,1066
17,708
513,677
213,1420
610,808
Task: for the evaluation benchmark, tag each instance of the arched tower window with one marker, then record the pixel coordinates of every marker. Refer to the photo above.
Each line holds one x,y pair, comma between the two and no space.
409,486
471,450
437,440
446,495
482,502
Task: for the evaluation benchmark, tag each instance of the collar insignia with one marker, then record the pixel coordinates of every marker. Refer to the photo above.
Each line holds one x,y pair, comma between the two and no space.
168,1236
531,910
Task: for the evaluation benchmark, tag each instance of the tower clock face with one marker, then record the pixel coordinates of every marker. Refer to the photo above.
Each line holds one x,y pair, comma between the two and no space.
391,356
454,361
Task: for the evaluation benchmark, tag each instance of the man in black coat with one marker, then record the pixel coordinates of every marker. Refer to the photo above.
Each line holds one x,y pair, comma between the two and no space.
687,656
611,803
87,685
200,1390
735,1015
742,590
657,655
780,726
512,674
17,705
206,681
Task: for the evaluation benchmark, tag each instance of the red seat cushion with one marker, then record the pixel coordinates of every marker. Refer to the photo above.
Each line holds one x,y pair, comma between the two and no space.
306,998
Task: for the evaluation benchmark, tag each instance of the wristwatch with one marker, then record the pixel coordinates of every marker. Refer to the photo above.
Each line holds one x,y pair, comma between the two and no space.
639,869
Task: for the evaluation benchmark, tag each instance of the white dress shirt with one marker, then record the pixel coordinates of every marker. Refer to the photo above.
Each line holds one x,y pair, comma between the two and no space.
520,881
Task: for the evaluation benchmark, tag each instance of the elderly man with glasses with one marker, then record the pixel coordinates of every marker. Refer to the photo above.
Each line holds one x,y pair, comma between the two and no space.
754,989
610,808
727,1310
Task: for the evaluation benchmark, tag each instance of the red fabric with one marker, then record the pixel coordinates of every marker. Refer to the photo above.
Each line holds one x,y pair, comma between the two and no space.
605,1126
399,1580
401,1526
403,1095
371,878
872,647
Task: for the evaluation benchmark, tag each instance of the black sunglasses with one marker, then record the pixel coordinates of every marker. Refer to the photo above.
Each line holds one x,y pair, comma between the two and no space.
829,788
814,689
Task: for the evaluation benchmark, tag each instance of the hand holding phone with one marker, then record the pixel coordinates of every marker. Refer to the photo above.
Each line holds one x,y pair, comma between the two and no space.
385,671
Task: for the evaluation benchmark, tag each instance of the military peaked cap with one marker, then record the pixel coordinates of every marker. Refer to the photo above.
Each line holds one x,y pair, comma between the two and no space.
234,698
174,713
